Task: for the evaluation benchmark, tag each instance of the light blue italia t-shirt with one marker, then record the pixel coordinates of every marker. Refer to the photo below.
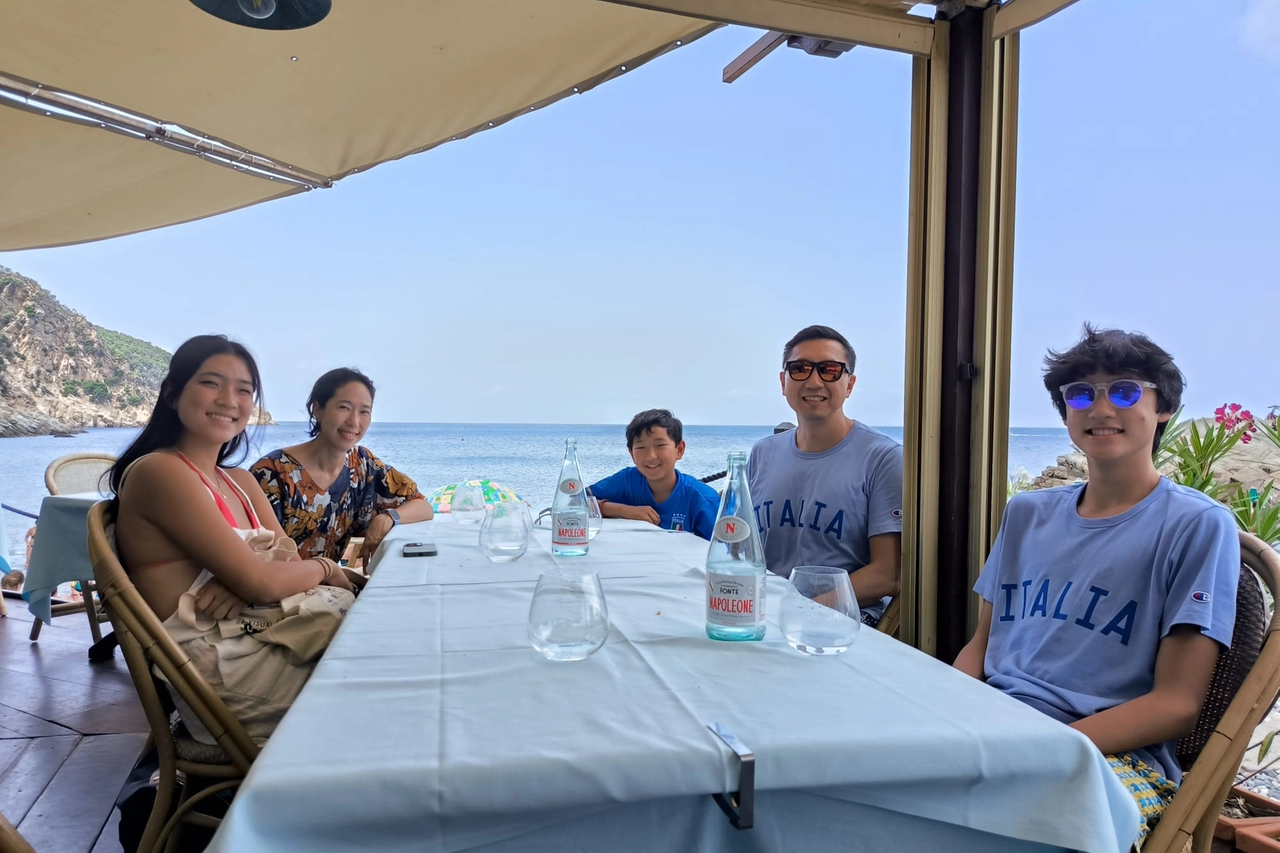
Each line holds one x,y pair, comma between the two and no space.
692,505
820,509
1080,605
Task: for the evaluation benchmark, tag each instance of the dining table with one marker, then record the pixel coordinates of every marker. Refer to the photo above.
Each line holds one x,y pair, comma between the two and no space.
60,552
432,724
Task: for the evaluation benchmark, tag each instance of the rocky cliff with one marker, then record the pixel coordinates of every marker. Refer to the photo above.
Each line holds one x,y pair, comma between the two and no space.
59,373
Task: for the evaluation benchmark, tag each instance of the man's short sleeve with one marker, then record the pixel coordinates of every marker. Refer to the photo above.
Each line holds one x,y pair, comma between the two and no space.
884,499
1204,576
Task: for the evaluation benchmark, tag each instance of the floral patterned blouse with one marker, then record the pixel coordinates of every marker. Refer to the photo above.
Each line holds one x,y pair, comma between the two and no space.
322,521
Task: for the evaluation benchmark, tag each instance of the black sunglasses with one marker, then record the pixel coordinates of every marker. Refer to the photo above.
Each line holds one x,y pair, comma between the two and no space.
828,371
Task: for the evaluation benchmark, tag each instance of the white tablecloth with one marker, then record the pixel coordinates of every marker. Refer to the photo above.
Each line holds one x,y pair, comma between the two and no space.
432,725
60,553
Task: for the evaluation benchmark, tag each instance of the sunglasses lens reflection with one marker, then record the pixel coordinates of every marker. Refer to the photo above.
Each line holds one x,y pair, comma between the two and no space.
1124,393
1078,395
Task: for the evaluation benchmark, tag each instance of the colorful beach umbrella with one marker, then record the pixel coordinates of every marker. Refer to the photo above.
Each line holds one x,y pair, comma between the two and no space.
493,493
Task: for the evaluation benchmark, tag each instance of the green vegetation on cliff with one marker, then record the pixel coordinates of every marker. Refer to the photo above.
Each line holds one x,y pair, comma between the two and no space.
146,361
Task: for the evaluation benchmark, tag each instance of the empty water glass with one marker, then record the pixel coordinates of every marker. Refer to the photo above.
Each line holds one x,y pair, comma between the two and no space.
467,506
594,518
505,531
819,613
568,619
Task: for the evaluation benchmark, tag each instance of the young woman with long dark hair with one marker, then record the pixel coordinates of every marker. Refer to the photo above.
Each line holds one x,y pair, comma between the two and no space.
200,541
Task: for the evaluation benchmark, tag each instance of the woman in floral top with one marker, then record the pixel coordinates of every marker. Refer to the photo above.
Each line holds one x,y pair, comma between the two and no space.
330,489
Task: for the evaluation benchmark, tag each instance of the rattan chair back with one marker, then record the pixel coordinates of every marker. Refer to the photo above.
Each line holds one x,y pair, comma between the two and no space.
149,648
77,472
1245,686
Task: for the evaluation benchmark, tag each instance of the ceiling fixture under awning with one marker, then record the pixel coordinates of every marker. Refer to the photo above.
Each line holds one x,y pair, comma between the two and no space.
268,14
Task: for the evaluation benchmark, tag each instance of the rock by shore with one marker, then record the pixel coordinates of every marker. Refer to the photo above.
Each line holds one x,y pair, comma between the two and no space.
14,423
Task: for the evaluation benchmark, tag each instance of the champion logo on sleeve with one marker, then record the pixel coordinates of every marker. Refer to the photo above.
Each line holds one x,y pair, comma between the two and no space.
1200,596
897,513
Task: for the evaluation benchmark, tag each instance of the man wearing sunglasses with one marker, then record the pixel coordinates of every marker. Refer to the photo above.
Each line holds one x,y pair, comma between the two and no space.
829,492
1105,604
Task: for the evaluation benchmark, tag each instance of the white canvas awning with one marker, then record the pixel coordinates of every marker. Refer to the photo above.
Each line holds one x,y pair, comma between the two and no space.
373,82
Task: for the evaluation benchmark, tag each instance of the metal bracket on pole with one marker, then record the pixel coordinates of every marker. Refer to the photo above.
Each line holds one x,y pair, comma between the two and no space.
739,806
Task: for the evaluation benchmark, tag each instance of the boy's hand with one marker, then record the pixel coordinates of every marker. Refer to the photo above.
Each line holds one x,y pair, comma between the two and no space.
643,513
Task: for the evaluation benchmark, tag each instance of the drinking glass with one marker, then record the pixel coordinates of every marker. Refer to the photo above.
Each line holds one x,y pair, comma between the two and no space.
505,531
568,619
594,518
819,614
467,506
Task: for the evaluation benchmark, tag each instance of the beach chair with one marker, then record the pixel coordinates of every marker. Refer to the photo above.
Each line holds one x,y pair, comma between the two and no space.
145,643
67,475
1245,686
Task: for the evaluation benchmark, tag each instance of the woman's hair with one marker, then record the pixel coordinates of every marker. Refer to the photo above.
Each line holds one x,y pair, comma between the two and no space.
164,428
324,389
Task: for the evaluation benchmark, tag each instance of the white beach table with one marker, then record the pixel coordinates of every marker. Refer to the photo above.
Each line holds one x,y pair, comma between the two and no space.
60,553
432,725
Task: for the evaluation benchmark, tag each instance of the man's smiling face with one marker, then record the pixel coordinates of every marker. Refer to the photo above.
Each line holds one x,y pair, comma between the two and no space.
812,399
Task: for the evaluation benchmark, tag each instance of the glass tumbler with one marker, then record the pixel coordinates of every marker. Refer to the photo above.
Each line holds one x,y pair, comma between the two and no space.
568,619
505,531
819,613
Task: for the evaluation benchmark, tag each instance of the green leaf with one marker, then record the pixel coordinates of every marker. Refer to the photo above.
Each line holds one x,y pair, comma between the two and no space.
1266,745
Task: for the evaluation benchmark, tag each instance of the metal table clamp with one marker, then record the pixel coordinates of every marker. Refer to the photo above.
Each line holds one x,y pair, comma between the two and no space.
739,806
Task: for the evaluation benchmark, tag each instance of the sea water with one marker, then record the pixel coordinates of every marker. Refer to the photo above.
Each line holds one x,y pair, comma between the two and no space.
523,457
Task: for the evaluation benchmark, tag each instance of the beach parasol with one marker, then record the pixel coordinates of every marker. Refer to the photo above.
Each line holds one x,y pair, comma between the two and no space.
493,493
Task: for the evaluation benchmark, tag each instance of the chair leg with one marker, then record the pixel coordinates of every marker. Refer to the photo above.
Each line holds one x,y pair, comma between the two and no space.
35,630
91,607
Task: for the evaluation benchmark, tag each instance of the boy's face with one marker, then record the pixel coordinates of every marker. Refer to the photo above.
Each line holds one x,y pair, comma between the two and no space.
655,454
813,399
1107,432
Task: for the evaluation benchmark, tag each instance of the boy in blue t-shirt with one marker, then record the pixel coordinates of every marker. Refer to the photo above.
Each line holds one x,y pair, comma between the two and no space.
1105,604
653,490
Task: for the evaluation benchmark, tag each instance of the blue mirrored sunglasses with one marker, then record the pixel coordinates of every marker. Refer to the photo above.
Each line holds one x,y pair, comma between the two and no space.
1122,393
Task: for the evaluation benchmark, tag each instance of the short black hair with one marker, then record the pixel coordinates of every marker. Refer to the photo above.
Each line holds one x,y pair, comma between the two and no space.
1120,353
650,418
326,386
820,333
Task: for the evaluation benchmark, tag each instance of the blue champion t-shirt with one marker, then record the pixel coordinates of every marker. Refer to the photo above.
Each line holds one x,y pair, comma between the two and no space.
1080,605
692,505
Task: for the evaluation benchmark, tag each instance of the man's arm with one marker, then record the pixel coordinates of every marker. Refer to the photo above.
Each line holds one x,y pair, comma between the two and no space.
972,658
882,575
1184,667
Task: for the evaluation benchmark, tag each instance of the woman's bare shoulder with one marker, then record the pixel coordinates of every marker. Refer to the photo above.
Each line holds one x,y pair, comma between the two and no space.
155,466
244,479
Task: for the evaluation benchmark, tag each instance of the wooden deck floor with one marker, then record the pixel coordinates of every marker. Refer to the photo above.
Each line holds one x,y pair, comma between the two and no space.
70,732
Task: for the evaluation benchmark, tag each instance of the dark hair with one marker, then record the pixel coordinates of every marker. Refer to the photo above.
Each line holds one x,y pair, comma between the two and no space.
164,428
326,386
650,418
820,333
1122,354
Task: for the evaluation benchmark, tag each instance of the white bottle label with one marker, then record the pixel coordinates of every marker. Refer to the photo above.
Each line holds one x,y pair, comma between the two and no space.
736,601
730,528
569,529
571,486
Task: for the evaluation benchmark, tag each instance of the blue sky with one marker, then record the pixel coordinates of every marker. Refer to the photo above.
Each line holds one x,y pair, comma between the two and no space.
655,241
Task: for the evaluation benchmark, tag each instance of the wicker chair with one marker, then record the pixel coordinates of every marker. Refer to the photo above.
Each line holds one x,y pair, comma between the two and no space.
146,644
1245,685
888,623
66,475
77,472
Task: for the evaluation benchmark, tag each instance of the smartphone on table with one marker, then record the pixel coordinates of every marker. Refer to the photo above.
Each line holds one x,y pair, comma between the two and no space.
419,549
